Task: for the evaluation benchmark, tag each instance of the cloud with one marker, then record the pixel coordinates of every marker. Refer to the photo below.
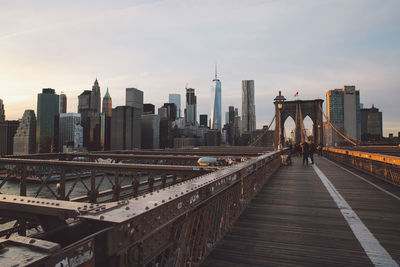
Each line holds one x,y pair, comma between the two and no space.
159,46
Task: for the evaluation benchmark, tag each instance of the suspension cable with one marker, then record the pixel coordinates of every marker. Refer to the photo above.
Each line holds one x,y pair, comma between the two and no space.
334,128
262,134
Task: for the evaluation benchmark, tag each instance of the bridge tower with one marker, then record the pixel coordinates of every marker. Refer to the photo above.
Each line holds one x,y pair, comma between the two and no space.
298,110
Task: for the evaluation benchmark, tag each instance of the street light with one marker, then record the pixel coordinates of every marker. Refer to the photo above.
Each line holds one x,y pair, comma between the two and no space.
279,102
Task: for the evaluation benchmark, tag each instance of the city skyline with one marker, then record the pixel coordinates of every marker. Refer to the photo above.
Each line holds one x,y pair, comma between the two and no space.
276,43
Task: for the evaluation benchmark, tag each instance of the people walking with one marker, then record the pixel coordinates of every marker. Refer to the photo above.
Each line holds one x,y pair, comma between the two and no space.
305,148
312,149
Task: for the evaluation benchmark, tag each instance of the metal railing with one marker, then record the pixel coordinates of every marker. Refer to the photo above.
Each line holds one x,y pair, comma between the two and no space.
175,226
384,167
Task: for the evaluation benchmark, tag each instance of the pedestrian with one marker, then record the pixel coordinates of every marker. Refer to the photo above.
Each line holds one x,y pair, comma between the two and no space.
311,152
305,149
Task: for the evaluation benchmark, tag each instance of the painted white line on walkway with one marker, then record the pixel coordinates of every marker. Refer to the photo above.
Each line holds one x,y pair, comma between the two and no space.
374,250
365,180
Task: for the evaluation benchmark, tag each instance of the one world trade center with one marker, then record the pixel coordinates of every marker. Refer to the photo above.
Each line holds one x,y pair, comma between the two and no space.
216,115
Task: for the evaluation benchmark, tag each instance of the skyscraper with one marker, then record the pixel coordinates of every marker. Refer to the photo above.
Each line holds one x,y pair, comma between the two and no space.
134,98
343,111
371,124
171,111
176,99
95,97
67,127
231,115
7,132
124,126
216,114
84,100
25,137
63,103
89,107
148,108
191,107
203,120
248,107
2,112
107,104
47,111
105,122
150,131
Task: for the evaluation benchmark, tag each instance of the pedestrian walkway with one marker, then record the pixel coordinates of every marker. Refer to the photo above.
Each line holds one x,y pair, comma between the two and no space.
315,216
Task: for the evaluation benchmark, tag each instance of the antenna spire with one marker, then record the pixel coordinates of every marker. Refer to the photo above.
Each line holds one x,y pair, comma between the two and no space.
215,71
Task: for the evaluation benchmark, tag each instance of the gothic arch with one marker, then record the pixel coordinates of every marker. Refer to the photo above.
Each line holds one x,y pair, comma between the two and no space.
311,108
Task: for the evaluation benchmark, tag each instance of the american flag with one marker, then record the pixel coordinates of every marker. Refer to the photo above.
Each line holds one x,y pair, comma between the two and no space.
296,94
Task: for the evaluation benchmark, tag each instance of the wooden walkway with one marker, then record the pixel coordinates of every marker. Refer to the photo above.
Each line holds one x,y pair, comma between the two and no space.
294,221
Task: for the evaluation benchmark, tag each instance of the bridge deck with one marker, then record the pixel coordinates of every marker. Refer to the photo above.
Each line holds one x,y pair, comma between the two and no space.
294,221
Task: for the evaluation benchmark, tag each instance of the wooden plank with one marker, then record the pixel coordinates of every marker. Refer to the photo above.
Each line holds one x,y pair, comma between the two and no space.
292,222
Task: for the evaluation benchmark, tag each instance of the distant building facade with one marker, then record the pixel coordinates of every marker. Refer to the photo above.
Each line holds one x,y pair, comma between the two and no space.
63,103
371,124
95,97
148,108
176,99
134,98
248,106
343,111
25,136
7,132
163,113
171,111
105,122
203,120
150,131
107,104
2,111
67,127
89,106
191,107
216,114
124,125
47,112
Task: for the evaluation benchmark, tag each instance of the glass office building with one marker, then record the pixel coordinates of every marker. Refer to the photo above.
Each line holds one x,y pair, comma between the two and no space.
176,99
216,114
47,111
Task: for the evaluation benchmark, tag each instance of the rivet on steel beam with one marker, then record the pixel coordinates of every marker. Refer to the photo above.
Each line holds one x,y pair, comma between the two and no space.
147,208
163,201
155,204
101,217
127,208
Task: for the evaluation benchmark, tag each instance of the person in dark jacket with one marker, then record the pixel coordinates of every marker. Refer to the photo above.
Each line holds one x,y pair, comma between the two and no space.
313,149
305,148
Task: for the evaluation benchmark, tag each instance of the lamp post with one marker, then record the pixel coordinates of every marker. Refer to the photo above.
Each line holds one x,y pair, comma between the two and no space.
279,103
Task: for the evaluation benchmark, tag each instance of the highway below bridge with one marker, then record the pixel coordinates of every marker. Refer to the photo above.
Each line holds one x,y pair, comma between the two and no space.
344,210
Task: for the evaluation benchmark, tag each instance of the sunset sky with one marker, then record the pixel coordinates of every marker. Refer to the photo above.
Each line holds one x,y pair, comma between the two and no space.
160,46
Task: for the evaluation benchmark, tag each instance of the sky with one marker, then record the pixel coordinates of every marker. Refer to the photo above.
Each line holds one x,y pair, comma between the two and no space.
160,47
